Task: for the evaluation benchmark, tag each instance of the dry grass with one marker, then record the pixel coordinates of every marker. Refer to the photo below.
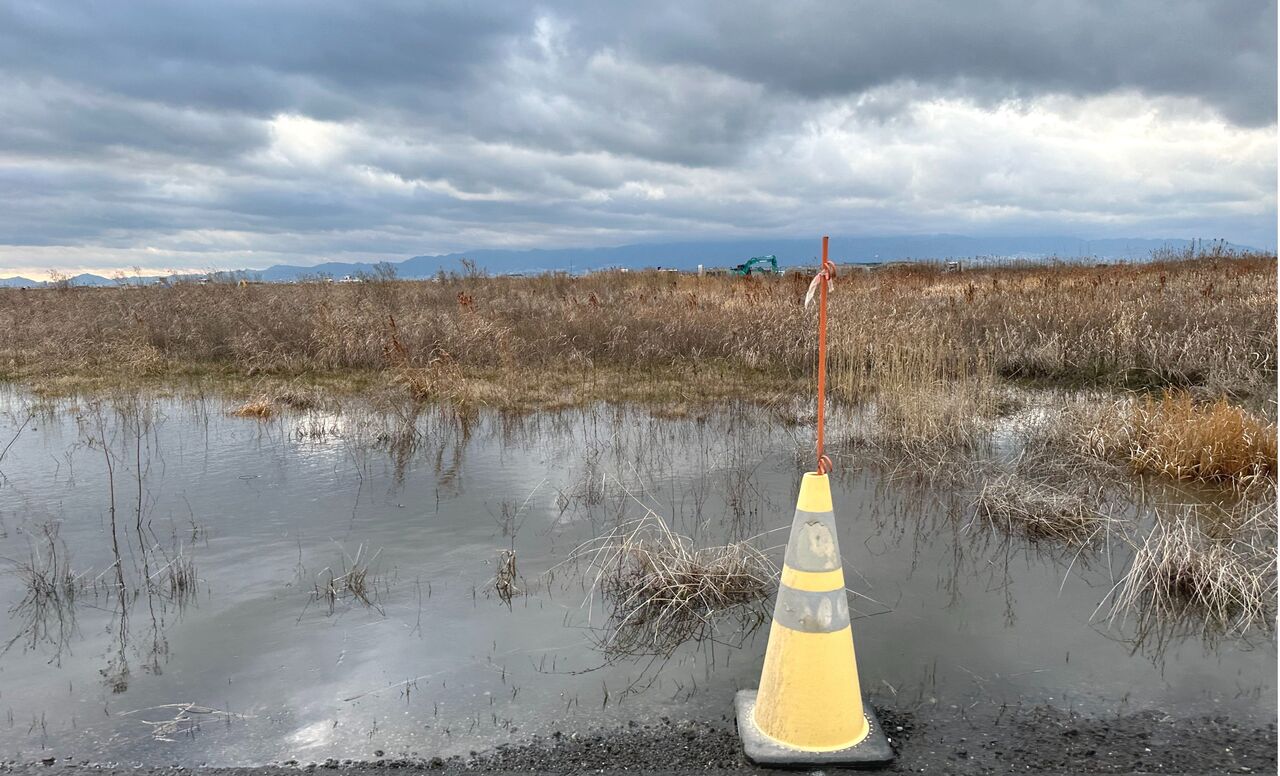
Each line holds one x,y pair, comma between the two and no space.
185,721
1209,442
664,592
925,357
1187,567
1041,511
1083,430
929,414
296,399
1174,435
260,408
1206,321
278,398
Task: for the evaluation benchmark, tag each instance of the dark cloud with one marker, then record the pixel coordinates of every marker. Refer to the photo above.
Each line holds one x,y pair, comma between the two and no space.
44,118
256,57
1223,53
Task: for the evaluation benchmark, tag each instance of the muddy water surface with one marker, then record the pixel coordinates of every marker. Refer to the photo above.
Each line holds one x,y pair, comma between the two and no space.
252,661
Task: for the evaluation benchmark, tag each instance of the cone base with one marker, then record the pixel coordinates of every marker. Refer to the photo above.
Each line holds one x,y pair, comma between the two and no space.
871,752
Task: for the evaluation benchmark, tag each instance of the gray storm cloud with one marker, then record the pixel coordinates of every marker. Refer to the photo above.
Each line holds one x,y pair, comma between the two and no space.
179,135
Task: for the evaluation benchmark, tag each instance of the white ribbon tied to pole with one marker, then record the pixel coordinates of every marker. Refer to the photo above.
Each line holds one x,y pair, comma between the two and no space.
817,281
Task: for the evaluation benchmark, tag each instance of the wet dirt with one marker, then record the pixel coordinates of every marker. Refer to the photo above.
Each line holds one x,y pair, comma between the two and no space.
1038,740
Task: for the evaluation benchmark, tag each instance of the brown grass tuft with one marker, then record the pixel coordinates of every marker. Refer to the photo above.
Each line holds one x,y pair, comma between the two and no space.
929,414
297,399
664,592
261,408
1214,442
177,579
1174,435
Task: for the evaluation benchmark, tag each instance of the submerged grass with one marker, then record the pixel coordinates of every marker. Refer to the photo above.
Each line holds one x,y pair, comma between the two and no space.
1187,567
1041,511
185,721
663,591
46,612
177,579
357,580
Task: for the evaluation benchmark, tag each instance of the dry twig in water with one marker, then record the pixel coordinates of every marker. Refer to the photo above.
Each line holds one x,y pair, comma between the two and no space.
357,581
185,721
505,580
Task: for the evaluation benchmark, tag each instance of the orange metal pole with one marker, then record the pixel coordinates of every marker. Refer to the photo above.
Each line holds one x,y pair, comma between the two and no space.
824,464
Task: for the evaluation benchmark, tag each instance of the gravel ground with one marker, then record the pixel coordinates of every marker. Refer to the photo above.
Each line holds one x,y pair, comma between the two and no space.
1037,740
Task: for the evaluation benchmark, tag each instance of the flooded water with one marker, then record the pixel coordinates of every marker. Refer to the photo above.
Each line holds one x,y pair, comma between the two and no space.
225,532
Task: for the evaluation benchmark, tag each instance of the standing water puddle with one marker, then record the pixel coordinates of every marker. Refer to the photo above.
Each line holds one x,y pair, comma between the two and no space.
249,644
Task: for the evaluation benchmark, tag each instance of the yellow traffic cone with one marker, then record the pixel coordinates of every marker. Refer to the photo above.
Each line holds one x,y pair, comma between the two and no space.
809,708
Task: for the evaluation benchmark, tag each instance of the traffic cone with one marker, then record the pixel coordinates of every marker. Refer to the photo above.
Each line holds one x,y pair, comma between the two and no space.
809,708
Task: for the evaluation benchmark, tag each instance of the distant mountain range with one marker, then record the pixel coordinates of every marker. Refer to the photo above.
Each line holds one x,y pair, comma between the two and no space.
86,279
688,255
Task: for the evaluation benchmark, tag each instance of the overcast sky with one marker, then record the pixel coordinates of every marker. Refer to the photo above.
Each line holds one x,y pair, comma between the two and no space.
172,135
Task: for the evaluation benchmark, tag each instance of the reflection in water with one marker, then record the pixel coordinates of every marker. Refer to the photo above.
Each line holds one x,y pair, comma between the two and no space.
406,580
116,673
47,612
145,569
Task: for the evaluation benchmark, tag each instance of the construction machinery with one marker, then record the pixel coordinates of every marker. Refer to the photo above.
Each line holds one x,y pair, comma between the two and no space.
756,264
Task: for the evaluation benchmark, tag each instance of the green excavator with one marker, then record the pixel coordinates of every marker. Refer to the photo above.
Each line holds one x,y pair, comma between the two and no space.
754,265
